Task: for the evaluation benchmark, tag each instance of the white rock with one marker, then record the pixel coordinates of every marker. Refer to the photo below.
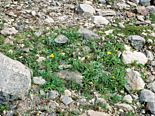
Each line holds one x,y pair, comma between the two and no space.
49,20
96,113
67,93
38,80
61,39
134,80
129,57
86,8
15,78
99,20
149,55
125,107
9,31
128,98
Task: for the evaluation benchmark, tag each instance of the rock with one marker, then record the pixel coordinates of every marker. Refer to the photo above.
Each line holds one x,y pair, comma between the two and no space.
99,20
67,93
136,41
96,113
134,80
61,39
102,1
87,34
38,80
128,99
15,78
153,63
123,5
142,10
135,1
146,96
9,31
151,107
66,100
144,2
149,55
123,106
70,75
85,8
108,12
53,94
129,57
49,20
152,86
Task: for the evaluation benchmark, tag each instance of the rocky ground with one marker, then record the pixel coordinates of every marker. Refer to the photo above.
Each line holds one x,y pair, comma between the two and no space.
77,58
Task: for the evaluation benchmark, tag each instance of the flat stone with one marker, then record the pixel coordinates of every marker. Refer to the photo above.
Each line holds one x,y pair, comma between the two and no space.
99,20
108,12
39,80
96,113
66,100
49,20
61,39
146,96
87,34
136,41
125,107
134,80
15,78
129,57
70,75
85,8
9,31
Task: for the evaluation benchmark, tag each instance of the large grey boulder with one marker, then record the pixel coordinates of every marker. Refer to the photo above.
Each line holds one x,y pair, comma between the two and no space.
15,78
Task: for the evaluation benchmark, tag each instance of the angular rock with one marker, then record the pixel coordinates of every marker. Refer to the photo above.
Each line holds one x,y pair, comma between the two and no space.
134,80
87,34
53,94
15,78
151,107
149,55
146,96
96,113
66,100
9,31
70,75
49,20
61,39
99,20
125,107
142,10
102,1
85,8
152,86
39,80
144,2
128,98
136,41
129,57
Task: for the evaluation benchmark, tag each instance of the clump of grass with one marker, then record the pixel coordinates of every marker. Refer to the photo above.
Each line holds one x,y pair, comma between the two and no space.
152,17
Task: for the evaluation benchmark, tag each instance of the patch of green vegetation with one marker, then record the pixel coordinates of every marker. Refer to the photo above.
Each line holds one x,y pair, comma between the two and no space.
3,107
152,17
133,29
101,68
